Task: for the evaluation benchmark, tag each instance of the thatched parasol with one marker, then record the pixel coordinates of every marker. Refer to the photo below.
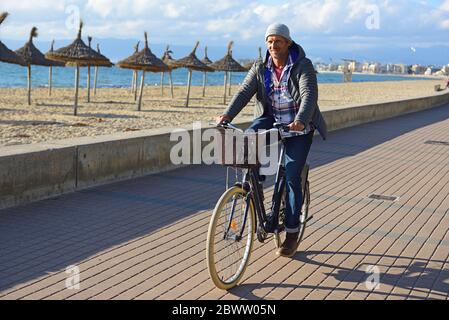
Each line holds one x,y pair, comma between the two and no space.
7,55
146,61
249,65
227,64
32,56
78,54
107,64
170,62
96,69
207,62
192,63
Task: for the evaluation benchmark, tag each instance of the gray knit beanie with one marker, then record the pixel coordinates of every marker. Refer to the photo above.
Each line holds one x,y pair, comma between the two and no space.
278,29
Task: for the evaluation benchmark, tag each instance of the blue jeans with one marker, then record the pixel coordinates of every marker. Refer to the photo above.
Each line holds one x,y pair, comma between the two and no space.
296,151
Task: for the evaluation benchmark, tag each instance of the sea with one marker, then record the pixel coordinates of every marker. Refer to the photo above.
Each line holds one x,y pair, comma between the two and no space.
14,76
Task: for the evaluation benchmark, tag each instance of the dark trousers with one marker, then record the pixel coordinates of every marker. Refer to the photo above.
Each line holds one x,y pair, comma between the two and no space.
296,151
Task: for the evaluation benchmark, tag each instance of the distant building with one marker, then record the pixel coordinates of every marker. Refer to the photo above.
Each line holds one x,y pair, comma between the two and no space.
355,66
445,70
418,69
431,71
365,67
400,69
333,67
374,68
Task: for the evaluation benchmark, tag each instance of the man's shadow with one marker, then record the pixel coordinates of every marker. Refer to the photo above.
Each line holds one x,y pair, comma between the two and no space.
419,276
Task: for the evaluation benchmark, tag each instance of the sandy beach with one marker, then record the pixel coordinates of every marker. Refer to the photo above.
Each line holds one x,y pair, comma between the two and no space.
113,110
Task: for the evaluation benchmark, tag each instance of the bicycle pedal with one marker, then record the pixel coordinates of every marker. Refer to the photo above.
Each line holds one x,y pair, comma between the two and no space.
309,218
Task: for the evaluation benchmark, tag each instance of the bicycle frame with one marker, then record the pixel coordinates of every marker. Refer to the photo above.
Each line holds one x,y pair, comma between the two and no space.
250,184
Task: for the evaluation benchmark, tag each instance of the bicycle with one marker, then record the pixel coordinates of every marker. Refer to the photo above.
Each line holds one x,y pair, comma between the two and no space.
240,214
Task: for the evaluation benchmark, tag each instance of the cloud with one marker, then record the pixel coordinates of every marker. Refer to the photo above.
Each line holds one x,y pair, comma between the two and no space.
32,6
184,22
173,11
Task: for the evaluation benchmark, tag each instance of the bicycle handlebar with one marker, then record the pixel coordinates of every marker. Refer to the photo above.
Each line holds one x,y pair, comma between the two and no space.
279,127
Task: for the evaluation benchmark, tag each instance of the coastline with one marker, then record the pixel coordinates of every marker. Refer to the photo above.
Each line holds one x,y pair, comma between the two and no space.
411,76
113,110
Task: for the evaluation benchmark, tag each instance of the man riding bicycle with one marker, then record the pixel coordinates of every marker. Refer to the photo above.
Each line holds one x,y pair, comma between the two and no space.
286,90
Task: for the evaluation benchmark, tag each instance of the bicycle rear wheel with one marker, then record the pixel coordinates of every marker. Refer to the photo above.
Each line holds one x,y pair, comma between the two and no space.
227,253
302,218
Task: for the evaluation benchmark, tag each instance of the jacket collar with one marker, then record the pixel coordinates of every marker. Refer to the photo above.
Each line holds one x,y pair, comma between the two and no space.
296,53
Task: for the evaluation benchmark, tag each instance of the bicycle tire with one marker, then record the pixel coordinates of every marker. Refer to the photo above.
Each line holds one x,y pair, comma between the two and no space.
221,246
304,212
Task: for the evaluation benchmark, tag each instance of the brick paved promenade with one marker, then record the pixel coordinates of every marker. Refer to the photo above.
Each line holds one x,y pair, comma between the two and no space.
145,238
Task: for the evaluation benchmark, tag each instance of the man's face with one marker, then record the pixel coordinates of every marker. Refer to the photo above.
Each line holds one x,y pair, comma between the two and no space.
278,47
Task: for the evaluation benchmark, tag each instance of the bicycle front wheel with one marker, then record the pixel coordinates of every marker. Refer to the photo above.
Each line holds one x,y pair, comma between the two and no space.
230,238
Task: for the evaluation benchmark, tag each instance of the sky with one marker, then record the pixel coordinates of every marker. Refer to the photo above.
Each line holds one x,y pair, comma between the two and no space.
397,31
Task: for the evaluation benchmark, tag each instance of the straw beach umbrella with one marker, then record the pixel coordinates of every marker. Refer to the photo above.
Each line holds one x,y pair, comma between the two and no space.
145,61
207,62
249,65
170,62
78,54
96,65
227,64
192,63
7,55
32,56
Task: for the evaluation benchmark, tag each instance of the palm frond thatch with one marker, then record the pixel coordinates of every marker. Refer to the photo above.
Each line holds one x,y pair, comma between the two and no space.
192,62
32,56
227,63
249,65
3,16
206,59
78,53
143,60
7,55
168,60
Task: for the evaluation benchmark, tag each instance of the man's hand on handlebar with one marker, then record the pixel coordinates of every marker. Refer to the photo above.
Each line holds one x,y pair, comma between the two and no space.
222,118
297,126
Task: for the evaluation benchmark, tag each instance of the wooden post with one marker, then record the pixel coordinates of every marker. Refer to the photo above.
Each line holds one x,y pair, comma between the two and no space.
135,85
188,87
50,76
162,83
230,82
204,83
95,80
142,81
29,84
77,84
225,86
171,85
88,83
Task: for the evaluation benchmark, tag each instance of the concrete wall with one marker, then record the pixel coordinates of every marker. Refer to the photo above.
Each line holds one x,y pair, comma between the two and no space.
38,171
339,118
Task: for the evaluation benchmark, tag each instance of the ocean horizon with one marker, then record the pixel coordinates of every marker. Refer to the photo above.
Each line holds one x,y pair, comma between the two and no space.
14,76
